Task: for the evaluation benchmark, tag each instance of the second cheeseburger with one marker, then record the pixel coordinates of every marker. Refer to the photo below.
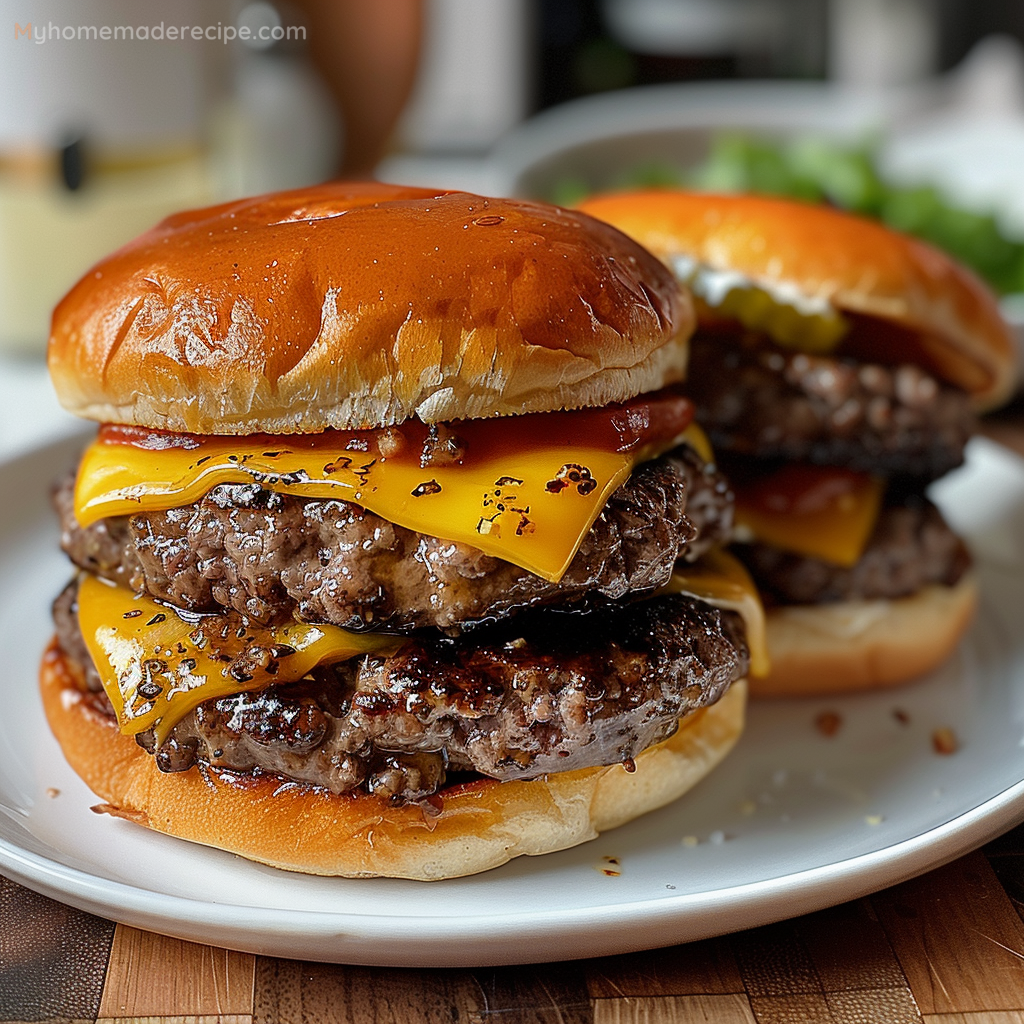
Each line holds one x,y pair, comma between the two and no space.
837,365
389,542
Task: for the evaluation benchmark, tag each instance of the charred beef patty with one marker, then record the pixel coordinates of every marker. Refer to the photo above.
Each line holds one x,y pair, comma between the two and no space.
760,400
69,636
547,691
911,547
266,555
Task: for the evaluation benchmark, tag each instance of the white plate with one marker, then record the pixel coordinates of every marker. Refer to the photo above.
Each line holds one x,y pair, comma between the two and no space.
792,822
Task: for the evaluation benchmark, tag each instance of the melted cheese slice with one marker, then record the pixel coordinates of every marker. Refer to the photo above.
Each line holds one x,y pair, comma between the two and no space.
721,580
695,437
818,511
525,489
156,667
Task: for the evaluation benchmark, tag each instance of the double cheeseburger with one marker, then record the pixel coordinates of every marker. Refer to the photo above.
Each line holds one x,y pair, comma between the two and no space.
396,545
837,366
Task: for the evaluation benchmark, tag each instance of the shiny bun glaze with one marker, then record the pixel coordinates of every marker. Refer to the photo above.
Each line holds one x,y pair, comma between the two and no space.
857,265
355,305
300,828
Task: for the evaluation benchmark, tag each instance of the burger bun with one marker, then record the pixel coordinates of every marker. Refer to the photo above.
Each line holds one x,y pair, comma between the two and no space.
361,305
934,309
860,645
481,824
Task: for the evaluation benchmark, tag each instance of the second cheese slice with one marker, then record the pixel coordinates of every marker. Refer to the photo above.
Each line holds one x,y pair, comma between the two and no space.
157,667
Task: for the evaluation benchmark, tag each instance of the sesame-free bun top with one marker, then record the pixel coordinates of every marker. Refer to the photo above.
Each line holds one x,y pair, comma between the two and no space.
924,301
354,305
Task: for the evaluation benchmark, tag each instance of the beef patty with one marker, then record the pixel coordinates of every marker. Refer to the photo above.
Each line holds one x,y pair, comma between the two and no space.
546,691
757,399
911,547
267,555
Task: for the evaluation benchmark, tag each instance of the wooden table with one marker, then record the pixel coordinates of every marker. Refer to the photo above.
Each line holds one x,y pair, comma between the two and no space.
946,948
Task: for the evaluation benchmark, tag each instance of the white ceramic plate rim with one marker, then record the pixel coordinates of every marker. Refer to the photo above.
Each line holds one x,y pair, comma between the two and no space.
758,902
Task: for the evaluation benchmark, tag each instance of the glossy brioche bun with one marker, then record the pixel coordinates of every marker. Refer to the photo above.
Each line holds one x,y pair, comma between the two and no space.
355,305
299,828
861,645
857,265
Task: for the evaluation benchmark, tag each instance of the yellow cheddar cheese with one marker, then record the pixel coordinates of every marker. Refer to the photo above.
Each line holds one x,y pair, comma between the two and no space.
821,512
695,437
156,667
525,490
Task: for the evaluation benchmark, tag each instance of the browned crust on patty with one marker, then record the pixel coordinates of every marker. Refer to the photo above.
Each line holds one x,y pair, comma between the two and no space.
307,829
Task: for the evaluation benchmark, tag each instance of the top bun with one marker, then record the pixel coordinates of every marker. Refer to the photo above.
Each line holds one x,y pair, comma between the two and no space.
360,305
856,265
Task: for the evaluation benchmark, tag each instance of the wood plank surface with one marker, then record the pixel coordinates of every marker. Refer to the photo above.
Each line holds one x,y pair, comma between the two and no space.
299,992
52,958
218,1018
699,968
947,948
538,994
153,976
985,1017
958,939
717,1009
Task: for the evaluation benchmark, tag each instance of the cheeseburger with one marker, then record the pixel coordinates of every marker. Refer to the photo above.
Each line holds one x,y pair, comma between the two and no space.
396,546
837,366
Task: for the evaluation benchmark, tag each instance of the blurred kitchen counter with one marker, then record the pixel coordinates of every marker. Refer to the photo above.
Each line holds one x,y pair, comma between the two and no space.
470,173
30,414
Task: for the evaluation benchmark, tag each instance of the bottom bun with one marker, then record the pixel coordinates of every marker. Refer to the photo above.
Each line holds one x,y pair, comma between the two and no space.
860,645
483,823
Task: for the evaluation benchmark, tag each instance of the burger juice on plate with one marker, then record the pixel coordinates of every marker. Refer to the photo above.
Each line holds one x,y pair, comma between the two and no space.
397,545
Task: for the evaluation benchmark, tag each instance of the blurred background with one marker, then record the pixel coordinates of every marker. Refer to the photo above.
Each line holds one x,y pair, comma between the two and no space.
117,112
